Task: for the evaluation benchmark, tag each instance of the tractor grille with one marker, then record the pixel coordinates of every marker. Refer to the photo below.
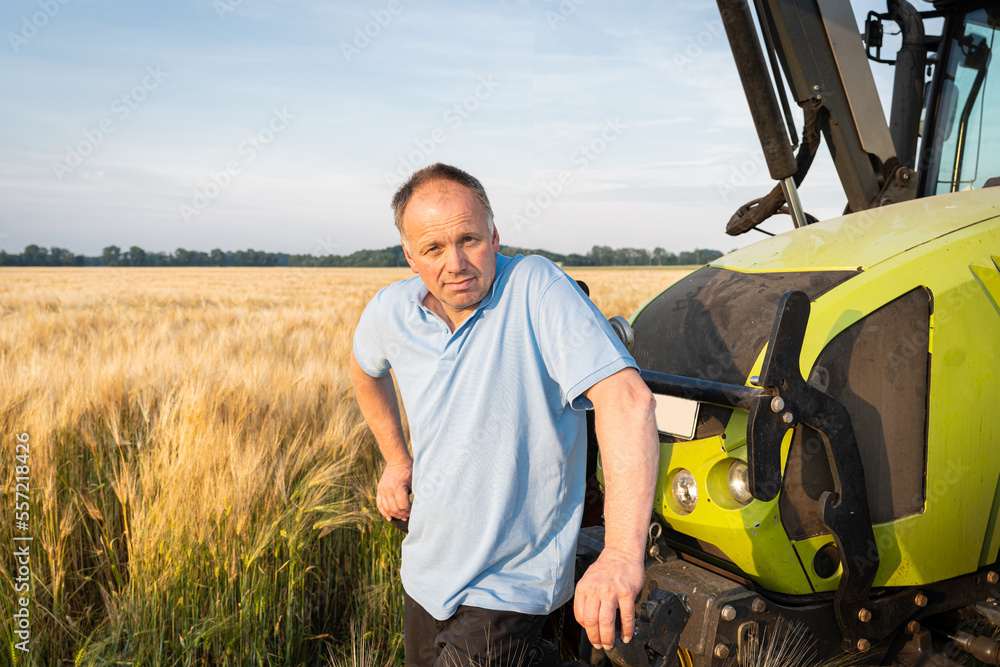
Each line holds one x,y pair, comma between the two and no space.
713,324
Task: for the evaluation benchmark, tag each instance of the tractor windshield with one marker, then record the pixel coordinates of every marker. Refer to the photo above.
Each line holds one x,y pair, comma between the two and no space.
967,128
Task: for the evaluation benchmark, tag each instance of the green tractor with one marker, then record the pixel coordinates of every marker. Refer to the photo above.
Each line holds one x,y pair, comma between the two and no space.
829,398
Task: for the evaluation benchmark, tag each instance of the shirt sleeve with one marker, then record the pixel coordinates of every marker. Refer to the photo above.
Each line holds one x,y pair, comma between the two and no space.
368,343
577,343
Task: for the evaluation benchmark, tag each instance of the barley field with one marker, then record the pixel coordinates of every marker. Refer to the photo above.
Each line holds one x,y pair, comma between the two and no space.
200,482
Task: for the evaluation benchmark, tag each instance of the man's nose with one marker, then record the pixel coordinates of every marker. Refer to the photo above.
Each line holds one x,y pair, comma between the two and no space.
456,261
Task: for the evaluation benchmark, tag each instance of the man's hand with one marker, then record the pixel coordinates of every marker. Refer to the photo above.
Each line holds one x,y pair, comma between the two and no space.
393,499
609,585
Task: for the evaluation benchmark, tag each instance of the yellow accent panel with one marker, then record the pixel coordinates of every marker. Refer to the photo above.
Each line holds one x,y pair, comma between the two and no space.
807,549
900,555
866,238
752,537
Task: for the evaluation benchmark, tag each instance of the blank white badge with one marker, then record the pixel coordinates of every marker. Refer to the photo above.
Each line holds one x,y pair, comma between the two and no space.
676,416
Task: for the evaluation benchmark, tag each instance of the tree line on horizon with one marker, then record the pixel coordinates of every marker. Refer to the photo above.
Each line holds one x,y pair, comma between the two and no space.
112,255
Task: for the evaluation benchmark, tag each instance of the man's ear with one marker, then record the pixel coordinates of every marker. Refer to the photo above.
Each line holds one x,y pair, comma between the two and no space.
496,240
406,253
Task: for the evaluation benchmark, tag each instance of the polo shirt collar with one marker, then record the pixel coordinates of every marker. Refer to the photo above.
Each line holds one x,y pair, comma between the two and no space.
422,291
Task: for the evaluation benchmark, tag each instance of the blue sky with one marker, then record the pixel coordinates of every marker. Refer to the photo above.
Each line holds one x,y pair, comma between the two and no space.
285,126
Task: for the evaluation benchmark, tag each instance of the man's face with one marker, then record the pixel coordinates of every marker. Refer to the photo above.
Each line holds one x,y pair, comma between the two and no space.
449,244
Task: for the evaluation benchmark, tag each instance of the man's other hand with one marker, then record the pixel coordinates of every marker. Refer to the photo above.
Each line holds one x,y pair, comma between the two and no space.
609,585
393,498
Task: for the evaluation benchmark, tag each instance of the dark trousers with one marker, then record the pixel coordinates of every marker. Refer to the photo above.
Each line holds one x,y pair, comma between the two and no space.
472,637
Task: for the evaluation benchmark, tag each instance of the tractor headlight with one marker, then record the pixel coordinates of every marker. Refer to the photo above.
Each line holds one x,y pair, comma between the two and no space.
684,490
739,482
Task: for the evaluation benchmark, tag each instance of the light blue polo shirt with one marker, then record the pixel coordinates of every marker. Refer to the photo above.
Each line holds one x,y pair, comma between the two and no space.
498,433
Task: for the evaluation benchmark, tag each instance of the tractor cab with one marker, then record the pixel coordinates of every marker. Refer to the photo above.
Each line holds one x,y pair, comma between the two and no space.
961,150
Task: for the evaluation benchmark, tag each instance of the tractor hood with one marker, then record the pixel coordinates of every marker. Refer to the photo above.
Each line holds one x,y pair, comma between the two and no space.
861,241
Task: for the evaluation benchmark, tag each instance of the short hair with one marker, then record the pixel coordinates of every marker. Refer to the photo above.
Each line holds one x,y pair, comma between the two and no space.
439,172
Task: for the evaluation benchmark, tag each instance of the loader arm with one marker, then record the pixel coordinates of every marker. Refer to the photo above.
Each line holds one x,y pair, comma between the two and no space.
822,56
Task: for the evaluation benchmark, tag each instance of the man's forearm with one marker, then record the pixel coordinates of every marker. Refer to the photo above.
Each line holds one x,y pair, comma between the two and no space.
377,400
626,432
629,458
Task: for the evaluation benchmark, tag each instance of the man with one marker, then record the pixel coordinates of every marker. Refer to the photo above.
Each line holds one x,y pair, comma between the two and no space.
497,360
